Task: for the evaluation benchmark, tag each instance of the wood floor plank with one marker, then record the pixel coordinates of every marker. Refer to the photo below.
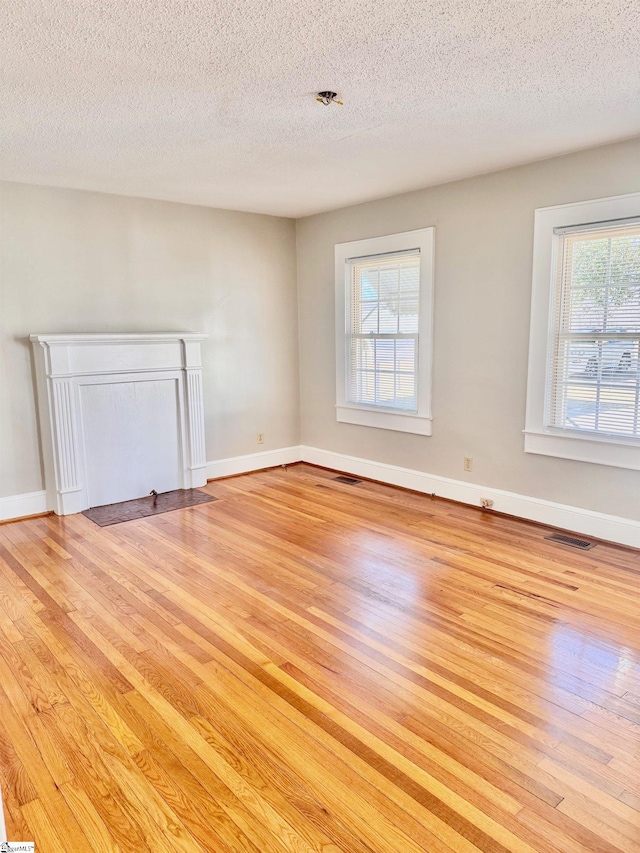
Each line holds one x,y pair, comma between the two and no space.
305,666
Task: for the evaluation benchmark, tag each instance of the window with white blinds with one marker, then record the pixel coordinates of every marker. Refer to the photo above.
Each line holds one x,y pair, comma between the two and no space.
383,331
594,378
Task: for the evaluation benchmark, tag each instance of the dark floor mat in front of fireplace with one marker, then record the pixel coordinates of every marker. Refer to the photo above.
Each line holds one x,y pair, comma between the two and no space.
144,507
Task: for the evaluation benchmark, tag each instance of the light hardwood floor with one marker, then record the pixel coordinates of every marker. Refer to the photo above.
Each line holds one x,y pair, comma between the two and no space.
310,666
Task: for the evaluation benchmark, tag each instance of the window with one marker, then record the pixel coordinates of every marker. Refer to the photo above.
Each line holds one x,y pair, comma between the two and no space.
383,331
594,381
382,338
584,376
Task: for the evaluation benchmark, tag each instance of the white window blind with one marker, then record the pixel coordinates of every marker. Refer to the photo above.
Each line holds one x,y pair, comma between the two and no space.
594,382
382,335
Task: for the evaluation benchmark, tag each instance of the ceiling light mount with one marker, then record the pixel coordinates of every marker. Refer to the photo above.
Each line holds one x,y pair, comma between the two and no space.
327,98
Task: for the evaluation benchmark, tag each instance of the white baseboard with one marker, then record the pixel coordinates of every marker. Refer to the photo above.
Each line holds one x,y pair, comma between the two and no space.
33,503
17,506
253,462
624,531
613,528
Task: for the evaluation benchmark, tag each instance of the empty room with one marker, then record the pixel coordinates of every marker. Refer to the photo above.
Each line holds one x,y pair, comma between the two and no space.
319,426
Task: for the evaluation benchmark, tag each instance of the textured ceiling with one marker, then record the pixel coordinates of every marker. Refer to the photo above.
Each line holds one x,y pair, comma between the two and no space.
212,102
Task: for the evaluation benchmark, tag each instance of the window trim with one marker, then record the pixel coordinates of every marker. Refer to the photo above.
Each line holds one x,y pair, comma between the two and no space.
539,438
419,422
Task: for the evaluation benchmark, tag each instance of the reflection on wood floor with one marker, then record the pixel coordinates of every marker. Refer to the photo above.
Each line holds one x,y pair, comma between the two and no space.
305,665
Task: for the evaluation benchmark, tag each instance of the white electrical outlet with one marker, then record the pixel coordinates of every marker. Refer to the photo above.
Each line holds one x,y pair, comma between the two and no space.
468,463
260,438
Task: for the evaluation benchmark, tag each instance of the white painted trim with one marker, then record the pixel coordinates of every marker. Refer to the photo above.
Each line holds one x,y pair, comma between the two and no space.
253,462
398,421
125,337
17,506
67,363
584,448
422,239
34,503
539,438
625,531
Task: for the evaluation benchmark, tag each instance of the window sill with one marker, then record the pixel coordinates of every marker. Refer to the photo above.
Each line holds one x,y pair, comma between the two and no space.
584,448
399,422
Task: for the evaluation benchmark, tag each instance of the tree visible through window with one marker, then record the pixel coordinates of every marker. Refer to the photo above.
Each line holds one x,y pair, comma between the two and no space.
384,331
382,338
595,379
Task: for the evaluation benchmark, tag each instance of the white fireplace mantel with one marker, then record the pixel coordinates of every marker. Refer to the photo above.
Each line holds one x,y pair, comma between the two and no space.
91,390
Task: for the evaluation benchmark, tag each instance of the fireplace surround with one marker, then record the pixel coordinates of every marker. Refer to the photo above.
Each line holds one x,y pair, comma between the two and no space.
120,414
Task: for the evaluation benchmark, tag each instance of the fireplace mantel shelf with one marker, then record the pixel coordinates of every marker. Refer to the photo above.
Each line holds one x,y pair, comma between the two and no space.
128,337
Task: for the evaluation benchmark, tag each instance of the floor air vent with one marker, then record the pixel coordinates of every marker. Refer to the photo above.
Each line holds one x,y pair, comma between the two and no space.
582,544
350,481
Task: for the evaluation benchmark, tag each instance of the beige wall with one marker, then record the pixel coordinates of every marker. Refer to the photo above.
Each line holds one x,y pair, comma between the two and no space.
79,261
88,262
484,236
